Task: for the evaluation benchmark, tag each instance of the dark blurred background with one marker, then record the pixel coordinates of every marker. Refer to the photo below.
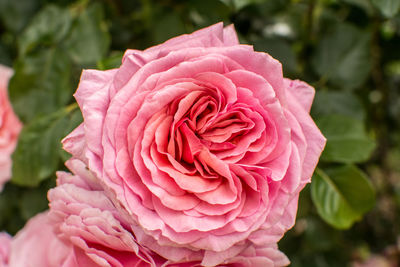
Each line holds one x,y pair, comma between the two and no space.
349,50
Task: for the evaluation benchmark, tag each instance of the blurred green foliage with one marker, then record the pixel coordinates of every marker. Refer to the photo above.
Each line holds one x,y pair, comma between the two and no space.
349,50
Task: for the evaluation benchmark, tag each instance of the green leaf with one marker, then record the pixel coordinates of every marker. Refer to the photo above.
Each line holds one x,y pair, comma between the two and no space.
365,5
32,202
342,56
47,28
18,204
16,14
89,40
337,102
342,195
319,236
5,55
9,219
37,154
41,83
239,4
389,8
347,140
207,12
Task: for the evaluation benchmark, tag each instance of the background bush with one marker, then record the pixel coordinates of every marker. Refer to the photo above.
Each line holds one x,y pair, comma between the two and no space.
349,50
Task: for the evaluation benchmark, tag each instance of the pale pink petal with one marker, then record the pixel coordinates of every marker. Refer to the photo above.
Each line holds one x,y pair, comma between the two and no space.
302,91
92,81
5,245
206,37
315,140
230,36
75,143
30,246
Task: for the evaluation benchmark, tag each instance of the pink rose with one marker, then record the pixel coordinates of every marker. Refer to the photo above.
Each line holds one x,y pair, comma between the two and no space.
82,228
10,127
203,143
5,242
31,246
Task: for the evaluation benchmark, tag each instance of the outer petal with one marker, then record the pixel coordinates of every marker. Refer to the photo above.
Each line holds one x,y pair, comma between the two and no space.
230,36
75,143
214,35
30,246
302,91
314,138
268,234
268,256
91,82
85,217
5,244
92,96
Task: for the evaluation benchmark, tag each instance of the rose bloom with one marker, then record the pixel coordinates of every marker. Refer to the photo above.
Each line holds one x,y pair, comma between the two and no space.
202,142
5,242
10,127
84,228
